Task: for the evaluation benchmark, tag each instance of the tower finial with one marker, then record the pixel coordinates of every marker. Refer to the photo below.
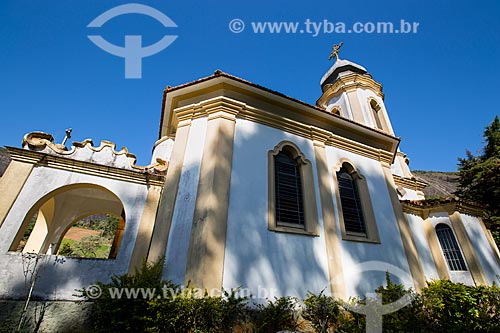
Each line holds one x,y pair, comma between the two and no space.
335,51
68,135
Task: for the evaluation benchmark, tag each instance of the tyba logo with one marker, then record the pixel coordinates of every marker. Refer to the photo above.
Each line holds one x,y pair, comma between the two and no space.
132,51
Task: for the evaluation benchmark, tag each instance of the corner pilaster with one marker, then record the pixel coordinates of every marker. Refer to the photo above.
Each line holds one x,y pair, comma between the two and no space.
167,200
12,183
470,255
435,249
146,227
333,249
207,243
410,248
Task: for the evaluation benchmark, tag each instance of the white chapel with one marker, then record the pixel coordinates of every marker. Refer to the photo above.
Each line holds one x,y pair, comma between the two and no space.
249,188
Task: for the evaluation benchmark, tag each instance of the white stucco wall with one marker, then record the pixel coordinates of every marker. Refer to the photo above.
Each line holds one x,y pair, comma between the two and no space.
390,252
268,263
464,277
487,257
343,102
163,150
59,279
423,249
292,264
364,95
396,167
176,254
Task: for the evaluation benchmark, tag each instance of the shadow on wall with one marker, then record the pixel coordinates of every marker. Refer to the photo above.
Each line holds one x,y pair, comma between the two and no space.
255,257
57,316
208,231
294,264
488,258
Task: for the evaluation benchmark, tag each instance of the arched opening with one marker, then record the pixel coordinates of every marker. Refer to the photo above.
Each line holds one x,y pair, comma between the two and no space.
354,205
450,248
378,115
288,185
291,198
95,236
352,210
82,220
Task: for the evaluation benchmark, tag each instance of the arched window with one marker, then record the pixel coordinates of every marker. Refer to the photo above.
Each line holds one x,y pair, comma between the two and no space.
352,210
288,187
378,116
336,110
356,216
450,247
291,197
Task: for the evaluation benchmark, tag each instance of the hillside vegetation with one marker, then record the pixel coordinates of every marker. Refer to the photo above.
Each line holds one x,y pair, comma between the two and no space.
441,184
4,160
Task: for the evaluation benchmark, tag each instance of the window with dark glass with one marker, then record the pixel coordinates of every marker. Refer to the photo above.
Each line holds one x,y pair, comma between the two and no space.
350,202
450,248
376,115
288,187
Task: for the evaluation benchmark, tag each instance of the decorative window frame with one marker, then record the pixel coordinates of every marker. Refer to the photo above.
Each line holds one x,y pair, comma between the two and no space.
372,234
311,225
376,112
462,254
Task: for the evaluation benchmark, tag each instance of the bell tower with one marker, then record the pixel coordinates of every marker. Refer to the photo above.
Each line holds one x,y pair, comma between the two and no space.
351,92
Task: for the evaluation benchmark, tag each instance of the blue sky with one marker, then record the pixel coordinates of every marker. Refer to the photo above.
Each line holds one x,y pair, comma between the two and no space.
440,83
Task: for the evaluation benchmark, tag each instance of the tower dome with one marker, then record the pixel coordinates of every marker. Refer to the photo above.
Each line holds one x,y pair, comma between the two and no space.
351,92
341,67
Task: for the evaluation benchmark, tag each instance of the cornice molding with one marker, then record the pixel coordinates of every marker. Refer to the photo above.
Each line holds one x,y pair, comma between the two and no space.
88,168
197,92
410,183
424,208
360,149
348,83
213,108
231,109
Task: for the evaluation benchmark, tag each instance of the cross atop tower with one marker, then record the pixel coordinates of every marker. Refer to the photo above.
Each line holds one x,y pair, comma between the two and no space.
335,51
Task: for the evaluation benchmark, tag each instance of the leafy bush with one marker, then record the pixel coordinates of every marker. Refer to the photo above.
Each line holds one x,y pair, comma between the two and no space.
402,320
187,312
443,306
123,314
278,315
322,312
66,250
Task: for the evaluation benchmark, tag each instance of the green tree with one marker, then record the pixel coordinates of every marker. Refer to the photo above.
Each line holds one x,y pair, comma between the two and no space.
66,250
88,246
479,177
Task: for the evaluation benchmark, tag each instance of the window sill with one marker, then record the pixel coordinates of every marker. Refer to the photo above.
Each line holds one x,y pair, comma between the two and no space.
292,229
359,238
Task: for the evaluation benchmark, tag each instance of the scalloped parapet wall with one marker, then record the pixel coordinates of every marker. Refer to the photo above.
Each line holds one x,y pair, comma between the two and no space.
105,154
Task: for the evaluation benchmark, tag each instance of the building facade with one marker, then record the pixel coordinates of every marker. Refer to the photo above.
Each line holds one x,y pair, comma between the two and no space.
247,188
